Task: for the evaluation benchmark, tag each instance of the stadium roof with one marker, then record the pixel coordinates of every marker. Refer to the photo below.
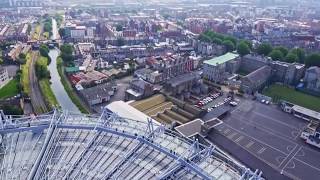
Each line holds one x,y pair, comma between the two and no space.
222,59
63,145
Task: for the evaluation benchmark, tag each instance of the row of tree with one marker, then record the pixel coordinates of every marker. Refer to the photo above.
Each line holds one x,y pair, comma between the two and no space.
245,47
281,53
47,26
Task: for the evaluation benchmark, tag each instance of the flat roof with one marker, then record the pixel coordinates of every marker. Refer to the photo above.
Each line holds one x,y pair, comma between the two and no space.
134,93
305,111
222,59
191,128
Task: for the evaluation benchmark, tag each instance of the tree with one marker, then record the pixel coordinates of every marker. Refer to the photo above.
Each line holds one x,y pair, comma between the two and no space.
300,53
47,27
62,32
249,43
11,110
229,45
217,41
276,55
204,38
22,58
44,50
243,48
232,39
29,28
313,60
41,68
282,49
67,53
119,28
264,49
66,48
291,58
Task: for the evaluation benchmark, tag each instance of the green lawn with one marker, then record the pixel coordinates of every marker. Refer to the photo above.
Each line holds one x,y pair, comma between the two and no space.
48,93
293,96
45,87
9,90
46,35
25,74
36,33
67,86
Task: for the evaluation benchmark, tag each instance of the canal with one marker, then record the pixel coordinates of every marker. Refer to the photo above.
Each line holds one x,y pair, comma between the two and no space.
56,85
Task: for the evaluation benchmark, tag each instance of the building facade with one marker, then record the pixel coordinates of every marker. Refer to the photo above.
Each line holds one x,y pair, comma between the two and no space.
312,79
256,80
4,76
216,68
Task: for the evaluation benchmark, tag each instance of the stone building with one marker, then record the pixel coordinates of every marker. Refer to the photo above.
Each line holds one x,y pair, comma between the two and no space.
312,79
256,80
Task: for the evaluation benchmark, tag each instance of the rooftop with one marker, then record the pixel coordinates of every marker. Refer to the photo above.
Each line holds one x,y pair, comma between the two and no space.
222,59
307,112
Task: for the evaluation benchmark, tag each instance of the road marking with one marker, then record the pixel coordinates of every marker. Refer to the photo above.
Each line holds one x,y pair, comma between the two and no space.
316,168
232,135
256,139
239,139
261,126
227,131
249,144
262,150
289,156
268,117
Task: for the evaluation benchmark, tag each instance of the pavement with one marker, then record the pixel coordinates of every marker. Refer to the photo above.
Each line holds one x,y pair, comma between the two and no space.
37,100
269,137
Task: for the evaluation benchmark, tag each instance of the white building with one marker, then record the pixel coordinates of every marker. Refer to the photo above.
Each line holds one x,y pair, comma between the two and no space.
4,76
215,68
78,32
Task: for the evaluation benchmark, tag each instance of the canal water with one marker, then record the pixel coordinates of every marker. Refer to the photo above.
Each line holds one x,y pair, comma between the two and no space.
56,85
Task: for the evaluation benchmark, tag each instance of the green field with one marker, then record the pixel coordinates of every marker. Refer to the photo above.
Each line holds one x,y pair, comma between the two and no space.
48,93
25,74
45,87
67,86
46,35
36,33
282,92
9,90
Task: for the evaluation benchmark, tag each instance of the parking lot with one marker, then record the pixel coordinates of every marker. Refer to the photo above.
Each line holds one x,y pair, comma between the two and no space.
271,136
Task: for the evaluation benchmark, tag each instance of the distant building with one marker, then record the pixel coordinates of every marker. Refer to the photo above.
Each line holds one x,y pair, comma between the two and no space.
256,80
312,79
4,76
27,3
216,68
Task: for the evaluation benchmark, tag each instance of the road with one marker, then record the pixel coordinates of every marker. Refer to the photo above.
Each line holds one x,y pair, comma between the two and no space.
37,101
